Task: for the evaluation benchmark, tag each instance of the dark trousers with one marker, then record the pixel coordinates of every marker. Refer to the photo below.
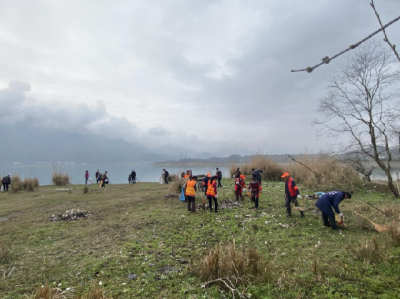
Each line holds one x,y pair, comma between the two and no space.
166,179
5,187
134,180
289,200
191,204
86,179
329,220
103,183
210,203
97,180
219,182
255,199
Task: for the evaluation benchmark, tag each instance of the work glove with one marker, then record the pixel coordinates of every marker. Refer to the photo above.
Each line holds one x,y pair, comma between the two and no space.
244,189
216,195
341,215
299,196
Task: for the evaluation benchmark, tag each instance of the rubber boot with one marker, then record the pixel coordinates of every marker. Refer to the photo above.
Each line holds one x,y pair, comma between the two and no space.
237,197
288,212
301,214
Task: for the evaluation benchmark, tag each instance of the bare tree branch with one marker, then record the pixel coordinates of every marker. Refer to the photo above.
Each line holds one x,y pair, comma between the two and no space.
386,39
327,59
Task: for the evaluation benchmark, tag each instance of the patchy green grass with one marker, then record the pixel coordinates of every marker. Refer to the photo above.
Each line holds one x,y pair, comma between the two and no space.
137,231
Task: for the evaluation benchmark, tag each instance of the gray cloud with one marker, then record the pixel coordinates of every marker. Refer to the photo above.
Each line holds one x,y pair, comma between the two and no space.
193,73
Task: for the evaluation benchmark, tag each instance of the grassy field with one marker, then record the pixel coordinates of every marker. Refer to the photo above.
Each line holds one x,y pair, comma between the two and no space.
137,231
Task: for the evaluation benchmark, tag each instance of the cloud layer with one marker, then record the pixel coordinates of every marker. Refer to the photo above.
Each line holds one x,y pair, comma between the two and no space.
200,74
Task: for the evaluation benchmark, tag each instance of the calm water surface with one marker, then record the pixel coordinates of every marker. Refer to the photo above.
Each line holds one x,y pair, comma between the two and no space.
118,173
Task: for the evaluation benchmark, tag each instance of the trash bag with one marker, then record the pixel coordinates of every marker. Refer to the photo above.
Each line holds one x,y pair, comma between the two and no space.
182,198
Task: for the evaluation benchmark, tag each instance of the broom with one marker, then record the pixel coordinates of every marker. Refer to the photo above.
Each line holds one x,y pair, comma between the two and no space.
378,227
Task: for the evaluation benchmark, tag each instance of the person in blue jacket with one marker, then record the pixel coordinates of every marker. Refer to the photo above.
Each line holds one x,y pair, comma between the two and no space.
326,202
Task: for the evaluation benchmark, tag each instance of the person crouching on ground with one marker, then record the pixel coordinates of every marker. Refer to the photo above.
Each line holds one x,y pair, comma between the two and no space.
212,193
190,193
255,189
291,194
325,204
239,185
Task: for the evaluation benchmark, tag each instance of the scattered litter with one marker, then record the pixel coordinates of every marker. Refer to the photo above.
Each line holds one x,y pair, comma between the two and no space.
71,215
62,189
182,261
228,204
132,276
167,270
171,196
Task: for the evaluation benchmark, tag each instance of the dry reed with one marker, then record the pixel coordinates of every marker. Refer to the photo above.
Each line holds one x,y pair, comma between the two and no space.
60,179
237,265
46,292
367,251
16,184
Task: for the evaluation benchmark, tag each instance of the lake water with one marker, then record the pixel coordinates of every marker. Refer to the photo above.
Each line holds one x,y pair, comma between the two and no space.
117,173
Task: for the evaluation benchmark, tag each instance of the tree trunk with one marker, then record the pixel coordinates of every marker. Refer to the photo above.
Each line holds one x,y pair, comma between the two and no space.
391,185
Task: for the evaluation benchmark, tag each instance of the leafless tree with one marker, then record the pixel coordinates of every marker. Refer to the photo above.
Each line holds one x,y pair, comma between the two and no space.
361,163
360,104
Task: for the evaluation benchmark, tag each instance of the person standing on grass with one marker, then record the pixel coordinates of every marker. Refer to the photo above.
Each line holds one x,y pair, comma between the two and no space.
166,175
133,176
255,190
190,193
212,193
238,173
239,185
98,177
6,181
205,183
326,202
219,176
103,179
257,174
86,176
291,194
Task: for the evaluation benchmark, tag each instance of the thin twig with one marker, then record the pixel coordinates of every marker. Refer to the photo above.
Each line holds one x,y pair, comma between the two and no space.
223,280
337,185
327,59
11,271
386,39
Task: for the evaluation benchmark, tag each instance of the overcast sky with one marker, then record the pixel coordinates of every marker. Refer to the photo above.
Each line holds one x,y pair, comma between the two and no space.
199,73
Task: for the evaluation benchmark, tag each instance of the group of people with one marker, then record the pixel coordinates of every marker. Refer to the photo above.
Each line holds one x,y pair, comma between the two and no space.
325,202
132,177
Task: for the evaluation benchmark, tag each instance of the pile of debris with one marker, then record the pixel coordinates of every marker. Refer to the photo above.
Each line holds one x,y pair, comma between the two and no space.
171,196
224,204
71,215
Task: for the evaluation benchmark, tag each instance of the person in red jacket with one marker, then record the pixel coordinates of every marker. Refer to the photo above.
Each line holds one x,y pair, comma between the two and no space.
291,194
255,190
239,185
212,193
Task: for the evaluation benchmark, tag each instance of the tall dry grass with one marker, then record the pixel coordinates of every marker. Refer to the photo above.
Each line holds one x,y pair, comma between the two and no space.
239,265
272,170
16,184
60,179
329,170
367,251
176,186
30,184
46,292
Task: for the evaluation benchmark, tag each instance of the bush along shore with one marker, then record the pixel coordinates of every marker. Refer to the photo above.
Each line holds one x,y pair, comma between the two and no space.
136,243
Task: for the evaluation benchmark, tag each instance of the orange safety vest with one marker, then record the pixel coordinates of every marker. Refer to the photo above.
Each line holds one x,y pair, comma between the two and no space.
210,189
190,191
186,176
292,190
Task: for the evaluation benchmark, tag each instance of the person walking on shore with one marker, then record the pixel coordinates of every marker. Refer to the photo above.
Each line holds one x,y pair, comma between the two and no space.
103,179
166,175
190,193
97,176
219,176
291,194
86,177
133,176
212,193
6,181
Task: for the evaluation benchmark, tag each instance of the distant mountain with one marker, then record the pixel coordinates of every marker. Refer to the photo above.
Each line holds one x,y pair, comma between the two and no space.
29,145
204,155
232,150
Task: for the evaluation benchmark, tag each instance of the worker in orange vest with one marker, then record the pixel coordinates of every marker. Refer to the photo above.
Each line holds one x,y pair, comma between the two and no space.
212,193
291,194
205,183
190,193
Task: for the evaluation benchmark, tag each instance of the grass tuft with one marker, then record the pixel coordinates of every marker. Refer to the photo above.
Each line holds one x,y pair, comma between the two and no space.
6,255
86,190
60,179
46,292
16,184
367,251
394,233
96,292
